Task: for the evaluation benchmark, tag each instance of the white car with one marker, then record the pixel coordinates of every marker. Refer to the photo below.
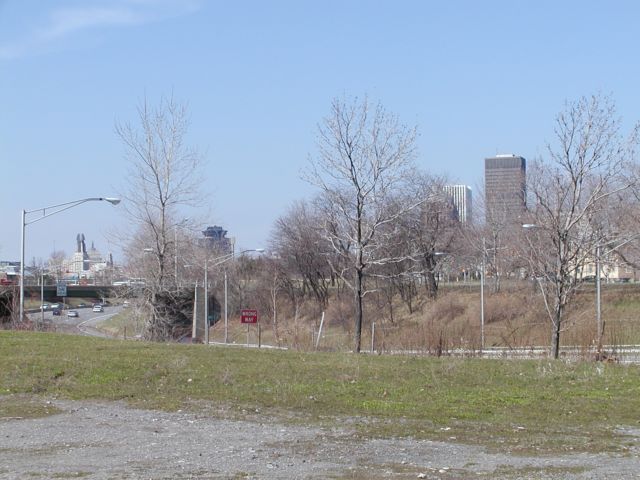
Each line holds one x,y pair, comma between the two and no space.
72,313
98,308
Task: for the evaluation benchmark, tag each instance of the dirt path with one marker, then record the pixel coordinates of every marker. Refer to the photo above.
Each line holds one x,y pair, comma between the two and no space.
111,441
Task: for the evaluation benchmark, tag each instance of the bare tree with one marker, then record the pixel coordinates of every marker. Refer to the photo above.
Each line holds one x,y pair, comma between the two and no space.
364,154
163,176
430,230
491,243
298,242
623,216
56,263
585,170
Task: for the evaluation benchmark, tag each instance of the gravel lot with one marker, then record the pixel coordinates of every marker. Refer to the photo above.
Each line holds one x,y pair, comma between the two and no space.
112,441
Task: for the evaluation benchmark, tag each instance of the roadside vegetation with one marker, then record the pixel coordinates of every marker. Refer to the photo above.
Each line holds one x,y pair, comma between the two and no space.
514,318
532,407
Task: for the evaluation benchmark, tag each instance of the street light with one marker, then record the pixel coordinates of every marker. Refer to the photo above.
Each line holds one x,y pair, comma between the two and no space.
598,254
61,207
482,267
219,261
599,325
42,271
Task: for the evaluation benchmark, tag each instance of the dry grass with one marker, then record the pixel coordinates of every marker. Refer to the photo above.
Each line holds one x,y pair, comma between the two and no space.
514,317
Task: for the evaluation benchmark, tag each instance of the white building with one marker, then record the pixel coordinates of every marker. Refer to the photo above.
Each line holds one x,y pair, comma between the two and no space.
83,264
461,196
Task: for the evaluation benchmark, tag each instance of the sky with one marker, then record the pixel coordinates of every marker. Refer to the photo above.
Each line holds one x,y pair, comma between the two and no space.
258,77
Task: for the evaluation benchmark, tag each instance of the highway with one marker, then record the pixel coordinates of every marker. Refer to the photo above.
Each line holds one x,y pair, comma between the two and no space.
85,323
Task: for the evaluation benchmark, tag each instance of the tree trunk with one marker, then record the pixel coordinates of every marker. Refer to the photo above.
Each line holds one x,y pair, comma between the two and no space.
274,300
358,292
431,284
556,332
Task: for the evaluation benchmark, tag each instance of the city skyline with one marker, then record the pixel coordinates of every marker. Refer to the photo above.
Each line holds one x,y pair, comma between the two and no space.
258,79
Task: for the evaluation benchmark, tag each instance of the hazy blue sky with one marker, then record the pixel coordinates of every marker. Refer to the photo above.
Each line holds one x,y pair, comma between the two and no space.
476,77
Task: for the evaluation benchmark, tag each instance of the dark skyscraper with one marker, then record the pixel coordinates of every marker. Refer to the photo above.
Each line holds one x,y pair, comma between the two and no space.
505,188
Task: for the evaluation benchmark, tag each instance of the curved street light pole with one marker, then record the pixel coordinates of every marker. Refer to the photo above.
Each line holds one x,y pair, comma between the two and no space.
61,207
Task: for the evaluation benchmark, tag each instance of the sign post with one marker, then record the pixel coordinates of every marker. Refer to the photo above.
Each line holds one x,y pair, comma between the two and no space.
61,289
249,317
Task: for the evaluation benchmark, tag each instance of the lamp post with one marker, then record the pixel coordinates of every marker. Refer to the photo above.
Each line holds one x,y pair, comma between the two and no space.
181,225
61,207
175,256
42,271
598,314
206,302
226,310
598,256
436,255
597,261
42,296
482,267
219,261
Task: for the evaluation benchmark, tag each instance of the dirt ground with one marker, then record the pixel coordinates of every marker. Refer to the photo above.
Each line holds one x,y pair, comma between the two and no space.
112,441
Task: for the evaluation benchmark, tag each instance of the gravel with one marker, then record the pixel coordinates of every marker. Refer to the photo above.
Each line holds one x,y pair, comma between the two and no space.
112,441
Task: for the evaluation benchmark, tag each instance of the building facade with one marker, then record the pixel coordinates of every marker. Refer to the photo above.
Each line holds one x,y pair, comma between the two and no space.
462,200
84,265
215,239
505,188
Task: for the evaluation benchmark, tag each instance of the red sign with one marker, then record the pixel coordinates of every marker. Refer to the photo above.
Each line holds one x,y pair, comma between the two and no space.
249,316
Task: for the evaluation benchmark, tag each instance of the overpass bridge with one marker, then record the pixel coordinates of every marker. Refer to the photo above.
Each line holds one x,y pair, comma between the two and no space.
76,291
10,294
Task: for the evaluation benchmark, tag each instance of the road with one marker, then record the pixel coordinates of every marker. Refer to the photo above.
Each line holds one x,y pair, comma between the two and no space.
85,323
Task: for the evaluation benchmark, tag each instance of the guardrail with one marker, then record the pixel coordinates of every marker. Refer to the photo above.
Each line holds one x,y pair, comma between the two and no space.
613,353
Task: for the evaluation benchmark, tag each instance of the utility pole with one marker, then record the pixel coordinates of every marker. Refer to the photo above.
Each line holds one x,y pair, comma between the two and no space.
206,302
226,310
598,309
482,266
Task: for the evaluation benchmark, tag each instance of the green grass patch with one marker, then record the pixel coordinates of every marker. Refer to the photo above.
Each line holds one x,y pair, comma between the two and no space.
122,324
525,406
14,407
507,471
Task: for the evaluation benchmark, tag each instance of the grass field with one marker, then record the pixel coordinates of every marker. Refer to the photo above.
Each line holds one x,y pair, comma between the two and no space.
532,407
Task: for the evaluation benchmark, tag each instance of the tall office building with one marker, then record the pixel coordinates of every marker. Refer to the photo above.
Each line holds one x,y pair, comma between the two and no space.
505,188
462,200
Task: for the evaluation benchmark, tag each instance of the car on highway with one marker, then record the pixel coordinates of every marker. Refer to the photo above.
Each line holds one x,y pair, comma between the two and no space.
98,308
57,311
72,313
